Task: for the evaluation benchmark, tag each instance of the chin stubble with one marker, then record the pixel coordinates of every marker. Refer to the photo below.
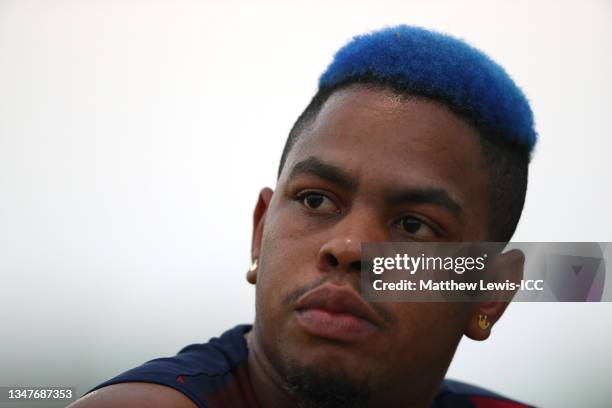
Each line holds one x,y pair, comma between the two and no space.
316,388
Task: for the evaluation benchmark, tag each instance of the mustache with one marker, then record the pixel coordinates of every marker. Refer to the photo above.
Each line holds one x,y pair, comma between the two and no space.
293,296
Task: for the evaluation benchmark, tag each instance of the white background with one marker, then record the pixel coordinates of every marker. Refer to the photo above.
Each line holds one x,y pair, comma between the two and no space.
135,136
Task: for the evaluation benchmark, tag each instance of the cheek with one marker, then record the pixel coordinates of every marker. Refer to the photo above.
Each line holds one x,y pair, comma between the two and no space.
289,247
426,333
287,262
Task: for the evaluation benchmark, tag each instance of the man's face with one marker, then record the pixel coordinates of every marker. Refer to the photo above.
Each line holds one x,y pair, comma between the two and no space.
371,167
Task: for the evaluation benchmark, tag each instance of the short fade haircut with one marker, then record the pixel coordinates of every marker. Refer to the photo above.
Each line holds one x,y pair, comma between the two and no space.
414,62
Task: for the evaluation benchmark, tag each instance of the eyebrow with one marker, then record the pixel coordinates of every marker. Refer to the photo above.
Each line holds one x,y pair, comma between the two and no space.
338,176
325,171
426,195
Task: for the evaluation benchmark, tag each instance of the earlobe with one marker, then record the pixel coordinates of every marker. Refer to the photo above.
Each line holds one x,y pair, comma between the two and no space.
259,216
483,318
485,314
252,273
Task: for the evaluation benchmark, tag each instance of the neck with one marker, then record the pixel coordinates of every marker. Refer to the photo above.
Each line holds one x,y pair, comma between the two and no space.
270,388
267,383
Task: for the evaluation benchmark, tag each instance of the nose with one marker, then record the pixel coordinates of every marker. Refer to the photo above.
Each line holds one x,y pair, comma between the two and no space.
342,251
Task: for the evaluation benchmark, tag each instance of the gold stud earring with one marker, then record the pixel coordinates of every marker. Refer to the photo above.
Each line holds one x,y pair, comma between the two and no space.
482,322
253,265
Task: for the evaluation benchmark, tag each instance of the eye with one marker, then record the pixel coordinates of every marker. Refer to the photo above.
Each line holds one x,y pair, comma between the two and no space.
416,227
317,202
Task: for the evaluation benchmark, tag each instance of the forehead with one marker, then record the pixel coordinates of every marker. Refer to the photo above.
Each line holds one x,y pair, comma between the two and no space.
384,141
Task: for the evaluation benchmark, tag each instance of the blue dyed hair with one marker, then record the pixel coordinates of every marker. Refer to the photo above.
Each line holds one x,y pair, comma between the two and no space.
417,62
434,65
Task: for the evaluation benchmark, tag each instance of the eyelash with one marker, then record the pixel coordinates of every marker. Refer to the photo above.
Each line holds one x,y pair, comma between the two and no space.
432,226
438,231
303,194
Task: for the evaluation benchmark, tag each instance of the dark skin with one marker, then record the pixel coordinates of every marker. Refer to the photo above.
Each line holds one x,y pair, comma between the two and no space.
371,167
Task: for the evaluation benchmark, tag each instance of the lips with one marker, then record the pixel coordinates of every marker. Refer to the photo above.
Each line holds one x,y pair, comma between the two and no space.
337,312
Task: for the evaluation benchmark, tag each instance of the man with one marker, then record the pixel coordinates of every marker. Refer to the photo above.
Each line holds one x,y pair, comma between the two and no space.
412,136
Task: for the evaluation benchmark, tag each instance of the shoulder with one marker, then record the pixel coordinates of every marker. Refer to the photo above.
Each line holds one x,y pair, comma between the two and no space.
459,394
196,374
132,395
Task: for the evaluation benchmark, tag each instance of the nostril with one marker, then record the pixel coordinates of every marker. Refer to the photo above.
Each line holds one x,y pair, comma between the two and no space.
331,260
355,266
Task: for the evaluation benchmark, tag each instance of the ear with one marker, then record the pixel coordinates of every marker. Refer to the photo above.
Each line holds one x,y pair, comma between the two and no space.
259,217
485,314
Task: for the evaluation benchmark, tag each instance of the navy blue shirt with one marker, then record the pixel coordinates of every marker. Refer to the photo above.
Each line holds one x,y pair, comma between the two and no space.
215,374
